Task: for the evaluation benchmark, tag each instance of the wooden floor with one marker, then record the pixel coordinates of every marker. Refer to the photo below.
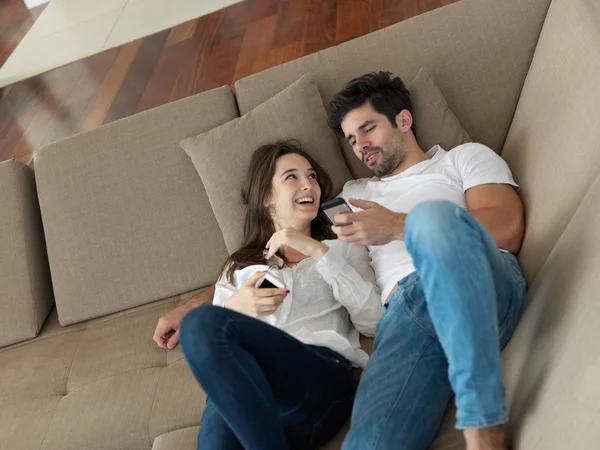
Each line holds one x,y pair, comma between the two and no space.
196,56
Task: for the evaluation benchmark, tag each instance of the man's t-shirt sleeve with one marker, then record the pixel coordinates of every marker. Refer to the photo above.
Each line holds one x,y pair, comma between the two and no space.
478,164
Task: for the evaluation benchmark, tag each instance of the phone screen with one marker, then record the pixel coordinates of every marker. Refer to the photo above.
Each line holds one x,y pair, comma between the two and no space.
339,209
266,284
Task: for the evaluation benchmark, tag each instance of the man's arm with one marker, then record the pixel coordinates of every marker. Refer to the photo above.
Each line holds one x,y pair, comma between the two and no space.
166,334
500,210
203,298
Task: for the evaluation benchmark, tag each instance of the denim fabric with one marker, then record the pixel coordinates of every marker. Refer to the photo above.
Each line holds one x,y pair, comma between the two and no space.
440,335
266,390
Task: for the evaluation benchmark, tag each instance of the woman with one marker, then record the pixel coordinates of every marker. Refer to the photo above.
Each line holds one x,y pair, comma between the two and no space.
276,363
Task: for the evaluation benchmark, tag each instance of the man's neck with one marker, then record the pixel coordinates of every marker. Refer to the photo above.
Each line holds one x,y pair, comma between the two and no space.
414,155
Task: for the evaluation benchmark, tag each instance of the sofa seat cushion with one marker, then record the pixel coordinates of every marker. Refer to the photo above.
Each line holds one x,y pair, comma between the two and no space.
25,286
222,155
99,384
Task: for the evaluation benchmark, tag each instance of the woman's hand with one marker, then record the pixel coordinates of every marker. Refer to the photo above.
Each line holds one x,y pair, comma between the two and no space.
298,241
256,302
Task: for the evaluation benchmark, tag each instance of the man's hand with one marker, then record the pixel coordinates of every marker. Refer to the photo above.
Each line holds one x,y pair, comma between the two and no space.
374,225
166,334
256,302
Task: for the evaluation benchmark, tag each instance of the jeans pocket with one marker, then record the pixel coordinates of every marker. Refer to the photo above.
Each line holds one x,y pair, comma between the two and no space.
413,301
331,422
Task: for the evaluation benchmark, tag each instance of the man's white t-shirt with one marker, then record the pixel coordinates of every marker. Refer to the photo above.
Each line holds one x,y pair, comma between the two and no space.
446,176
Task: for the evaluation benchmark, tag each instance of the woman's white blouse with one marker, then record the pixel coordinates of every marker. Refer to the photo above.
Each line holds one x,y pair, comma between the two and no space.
329,303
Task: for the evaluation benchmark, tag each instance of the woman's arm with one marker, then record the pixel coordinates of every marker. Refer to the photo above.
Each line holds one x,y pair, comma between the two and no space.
347,269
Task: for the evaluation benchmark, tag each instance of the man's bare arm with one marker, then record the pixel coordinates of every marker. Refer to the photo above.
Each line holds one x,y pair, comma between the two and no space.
500,210
166,334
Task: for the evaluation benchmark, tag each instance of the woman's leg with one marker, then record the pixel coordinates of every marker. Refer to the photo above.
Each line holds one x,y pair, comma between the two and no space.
215,434
274,391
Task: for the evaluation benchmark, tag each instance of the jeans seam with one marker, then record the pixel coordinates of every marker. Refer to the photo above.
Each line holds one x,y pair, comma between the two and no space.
415,319
384,422
225,328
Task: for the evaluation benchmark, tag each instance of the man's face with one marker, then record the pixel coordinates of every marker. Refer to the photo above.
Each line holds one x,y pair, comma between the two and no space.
374,140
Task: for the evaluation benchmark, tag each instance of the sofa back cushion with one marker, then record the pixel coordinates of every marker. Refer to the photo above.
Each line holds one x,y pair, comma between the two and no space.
551,365
126,217
553,146
478,51
25,287
222,155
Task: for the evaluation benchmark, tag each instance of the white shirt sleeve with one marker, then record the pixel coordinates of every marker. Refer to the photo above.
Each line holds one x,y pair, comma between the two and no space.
478,164
347,269
223,291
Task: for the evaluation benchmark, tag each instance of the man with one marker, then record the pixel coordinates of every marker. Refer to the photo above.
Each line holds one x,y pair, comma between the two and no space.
441,228
434,223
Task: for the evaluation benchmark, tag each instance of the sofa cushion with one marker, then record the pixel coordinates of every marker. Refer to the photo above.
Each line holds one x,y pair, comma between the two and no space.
551,366
554,140
99,384
26,289
478,51
222,155
126,217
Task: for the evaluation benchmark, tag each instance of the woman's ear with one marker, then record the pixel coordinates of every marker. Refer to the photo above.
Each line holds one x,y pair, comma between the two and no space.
269,200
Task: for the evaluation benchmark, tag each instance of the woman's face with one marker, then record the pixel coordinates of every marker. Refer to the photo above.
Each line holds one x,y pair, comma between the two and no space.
295,195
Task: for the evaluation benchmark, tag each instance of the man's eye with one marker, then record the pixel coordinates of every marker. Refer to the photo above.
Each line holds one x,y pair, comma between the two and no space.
370,129
352,142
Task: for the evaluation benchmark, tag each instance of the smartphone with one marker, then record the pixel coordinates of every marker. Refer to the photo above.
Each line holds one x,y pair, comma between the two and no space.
270,281
335,206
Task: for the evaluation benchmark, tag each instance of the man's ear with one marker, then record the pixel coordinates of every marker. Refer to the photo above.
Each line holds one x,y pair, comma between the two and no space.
404,120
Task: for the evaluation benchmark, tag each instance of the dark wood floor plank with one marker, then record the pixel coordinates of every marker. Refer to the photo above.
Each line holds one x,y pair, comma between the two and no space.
128,98
182,32
291,22
192,57
320,29
353,19
98,108
255,47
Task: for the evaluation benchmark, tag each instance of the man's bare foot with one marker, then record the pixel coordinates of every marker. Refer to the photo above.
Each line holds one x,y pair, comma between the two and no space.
492,438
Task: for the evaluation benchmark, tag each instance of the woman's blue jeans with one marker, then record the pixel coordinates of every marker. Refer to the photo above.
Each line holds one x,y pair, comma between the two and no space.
266,390
440,335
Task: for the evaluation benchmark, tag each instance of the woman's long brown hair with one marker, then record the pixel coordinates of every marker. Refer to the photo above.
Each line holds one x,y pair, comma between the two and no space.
258,224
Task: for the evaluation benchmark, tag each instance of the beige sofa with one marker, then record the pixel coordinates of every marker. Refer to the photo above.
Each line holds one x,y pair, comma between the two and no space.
114,228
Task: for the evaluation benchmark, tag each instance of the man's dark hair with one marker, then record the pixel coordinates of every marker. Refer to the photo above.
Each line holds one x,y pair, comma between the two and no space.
387,94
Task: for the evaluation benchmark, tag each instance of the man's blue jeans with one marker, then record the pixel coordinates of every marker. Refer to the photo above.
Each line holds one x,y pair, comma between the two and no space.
440,335
266,390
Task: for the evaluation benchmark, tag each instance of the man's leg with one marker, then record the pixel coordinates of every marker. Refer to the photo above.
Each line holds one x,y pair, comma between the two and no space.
404,390
474,295
469,285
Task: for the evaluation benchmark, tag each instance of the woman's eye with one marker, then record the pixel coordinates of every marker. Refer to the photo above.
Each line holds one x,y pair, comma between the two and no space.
290,176
313,176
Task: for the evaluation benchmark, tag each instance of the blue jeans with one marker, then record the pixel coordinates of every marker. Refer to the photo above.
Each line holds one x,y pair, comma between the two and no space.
440,335
266,390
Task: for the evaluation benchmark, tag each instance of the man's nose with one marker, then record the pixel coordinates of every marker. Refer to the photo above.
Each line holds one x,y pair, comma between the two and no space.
361,143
